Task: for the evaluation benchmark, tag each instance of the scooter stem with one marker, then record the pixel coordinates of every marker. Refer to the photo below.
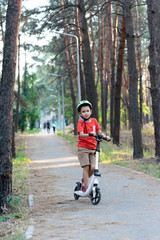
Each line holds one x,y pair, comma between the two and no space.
96,171
97,159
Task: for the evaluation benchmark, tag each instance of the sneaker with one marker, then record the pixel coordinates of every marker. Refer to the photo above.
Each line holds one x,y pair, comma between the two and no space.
83,189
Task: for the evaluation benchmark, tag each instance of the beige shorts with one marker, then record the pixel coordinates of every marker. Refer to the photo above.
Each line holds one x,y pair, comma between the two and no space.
86,156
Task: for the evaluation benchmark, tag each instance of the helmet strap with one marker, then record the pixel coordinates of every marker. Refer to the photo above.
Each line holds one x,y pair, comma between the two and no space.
85,118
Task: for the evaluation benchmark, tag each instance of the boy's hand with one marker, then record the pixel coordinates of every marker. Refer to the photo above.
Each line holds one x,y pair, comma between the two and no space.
108,138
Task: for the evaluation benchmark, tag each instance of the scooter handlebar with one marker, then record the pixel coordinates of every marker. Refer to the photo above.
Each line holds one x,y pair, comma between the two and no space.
104,138
99,137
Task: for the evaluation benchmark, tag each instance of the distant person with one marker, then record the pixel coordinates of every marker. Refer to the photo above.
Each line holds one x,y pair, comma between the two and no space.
48,126
54,128
44,125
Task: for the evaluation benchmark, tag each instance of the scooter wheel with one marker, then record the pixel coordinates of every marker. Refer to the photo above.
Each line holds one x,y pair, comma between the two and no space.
77,188
95,200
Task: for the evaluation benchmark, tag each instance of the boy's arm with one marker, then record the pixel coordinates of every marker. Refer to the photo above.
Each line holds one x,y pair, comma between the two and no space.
85,135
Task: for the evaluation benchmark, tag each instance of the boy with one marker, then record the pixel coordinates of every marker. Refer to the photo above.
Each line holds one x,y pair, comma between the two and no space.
86,144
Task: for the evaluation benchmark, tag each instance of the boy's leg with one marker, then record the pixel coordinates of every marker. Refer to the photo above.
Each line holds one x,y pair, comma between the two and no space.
83,156
92,159
91,170
86,176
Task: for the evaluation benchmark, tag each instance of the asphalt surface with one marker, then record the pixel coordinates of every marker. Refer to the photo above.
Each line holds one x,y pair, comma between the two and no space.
129,208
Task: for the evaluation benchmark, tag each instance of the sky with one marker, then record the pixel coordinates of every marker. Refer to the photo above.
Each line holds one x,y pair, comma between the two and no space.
30,4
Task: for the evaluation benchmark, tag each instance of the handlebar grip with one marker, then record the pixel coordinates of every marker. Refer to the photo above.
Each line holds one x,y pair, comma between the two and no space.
105,138
91,135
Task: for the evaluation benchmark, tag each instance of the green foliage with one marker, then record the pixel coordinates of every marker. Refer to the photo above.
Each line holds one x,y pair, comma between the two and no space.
20,155
14,202
29,114
20,173
146,109
68,108
33,115
4,217
158,175
122,117
20,160
33,131
23,119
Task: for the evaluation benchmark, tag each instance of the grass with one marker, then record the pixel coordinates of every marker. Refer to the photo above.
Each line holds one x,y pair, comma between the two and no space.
123,154
13,222
71,138
17,236
33,131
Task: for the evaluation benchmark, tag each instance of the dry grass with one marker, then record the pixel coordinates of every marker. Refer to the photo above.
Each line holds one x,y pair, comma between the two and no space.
123,154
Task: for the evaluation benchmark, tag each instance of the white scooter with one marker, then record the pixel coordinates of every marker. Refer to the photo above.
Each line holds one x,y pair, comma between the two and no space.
93,191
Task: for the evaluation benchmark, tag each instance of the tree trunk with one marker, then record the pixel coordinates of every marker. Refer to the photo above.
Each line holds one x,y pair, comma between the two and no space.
154,67
118,85
107,60
93,40
6,99
133,76
18,92
82,81
68,61
138,48
102,69
113,63
24,92
87,61
13,139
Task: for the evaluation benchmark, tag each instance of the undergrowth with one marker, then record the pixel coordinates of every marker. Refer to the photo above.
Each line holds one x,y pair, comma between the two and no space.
33,131
123,154
17,202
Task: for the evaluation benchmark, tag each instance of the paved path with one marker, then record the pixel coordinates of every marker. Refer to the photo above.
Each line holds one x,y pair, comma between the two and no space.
129,208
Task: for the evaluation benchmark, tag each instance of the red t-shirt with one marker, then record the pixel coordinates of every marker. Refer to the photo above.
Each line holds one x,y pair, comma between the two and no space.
87,127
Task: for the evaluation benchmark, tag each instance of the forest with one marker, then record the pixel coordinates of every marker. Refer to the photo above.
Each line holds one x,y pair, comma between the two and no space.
104,51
